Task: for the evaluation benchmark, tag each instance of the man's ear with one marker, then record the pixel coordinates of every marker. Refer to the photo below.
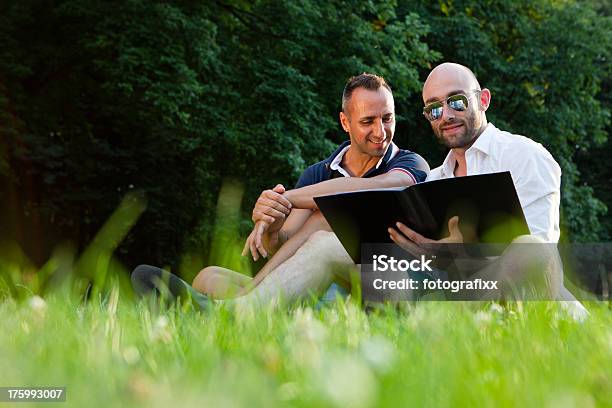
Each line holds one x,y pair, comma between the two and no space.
344,121
485,99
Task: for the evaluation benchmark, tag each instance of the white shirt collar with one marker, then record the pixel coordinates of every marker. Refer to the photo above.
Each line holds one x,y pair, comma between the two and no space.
482,143
336,163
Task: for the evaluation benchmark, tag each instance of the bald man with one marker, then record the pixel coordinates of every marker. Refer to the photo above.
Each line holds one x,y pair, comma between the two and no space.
455,106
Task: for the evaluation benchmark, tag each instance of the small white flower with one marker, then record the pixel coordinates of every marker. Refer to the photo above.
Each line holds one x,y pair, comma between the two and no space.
161,322
308,328
131,355
379,353
481,317
288,391
496,308
161,330
38,305
349,382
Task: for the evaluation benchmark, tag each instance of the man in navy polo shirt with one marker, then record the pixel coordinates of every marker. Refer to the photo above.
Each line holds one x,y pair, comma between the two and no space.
285,220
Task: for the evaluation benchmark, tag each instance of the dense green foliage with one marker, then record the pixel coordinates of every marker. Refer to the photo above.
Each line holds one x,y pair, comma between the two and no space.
172,98
544,63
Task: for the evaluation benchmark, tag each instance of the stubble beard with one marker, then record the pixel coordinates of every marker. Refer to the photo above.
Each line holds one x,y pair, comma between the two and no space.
461,140
372,151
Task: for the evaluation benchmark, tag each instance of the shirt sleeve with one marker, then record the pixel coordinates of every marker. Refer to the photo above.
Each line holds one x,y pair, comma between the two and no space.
537,178
410,163
435,174
307,178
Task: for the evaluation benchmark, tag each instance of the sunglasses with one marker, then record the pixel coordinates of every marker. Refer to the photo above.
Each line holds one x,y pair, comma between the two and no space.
458,102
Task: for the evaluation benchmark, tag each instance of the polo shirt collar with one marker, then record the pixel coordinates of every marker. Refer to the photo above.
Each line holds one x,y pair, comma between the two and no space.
335,160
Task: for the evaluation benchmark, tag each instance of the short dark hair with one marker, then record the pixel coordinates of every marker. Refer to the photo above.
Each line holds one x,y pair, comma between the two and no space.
366,81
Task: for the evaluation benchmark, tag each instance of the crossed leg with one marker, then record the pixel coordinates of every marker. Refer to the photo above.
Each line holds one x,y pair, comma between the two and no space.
223,283
220,283
528,269
317,263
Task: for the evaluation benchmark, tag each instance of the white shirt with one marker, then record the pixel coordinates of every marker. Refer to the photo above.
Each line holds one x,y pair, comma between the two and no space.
536,175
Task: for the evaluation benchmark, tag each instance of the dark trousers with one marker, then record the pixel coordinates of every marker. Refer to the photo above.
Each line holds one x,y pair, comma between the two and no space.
147,279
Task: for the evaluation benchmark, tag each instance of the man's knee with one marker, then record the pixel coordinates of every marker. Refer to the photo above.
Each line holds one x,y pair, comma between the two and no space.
203,281
322,236
528,239
322,241
326,246
532,248
535,261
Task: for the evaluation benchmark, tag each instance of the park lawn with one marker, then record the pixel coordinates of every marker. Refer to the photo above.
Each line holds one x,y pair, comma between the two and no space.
113,351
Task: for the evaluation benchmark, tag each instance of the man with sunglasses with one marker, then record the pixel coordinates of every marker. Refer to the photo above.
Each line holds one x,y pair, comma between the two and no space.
455,106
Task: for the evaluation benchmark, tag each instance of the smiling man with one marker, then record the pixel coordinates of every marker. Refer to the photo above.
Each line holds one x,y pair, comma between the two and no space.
286,220
455,106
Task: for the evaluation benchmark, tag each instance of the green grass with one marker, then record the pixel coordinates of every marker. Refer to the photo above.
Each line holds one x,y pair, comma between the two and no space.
113,351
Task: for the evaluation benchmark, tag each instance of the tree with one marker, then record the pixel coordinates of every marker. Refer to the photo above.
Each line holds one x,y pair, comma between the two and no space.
173,104
544,62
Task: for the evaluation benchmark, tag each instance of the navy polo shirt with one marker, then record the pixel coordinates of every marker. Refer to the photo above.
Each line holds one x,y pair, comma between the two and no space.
394,159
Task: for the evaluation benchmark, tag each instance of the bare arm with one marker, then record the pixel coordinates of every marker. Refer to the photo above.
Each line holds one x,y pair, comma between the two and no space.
303,197
295,220
263,241
273,206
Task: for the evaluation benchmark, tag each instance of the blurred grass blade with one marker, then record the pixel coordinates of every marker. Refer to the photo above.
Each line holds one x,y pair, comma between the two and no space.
96,260
226,247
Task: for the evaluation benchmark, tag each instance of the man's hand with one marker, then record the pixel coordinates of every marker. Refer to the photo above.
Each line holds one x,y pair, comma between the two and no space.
259,239
271,207
269,214
417,244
